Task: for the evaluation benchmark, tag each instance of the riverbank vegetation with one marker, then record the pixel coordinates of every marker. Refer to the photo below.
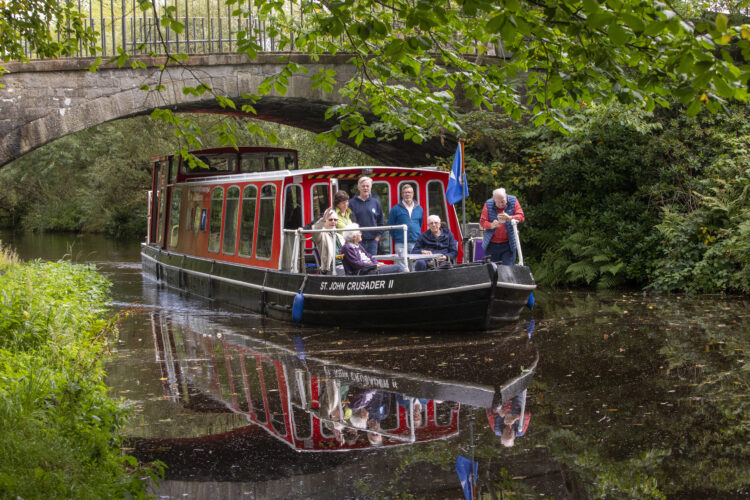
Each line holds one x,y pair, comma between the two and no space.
58,425
626,198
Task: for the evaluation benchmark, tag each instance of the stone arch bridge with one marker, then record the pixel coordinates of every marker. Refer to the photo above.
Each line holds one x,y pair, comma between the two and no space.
44,100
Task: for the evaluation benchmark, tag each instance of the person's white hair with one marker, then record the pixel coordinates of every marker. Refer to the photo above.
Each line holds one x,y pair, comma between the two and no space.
358,421
363,179
499,192
350,232
433,217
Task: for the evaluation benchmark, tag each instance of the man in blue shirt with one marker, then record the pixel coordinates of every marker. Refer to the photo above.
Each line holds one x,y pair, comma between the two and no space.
406,212
369,213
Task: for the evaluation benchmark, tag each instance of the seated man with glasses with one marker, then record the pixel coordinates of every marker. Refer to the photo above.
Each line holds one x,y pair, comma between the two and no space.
437,241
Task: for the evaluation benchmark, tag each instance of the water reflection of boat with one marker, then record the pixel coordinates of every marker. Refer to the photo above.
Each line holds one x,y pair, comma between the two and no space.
293,391
229,233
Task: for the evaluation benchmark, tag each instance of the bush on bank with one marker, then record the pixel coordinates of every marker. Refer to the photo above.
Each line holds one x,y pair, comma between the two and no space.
627,198
57,425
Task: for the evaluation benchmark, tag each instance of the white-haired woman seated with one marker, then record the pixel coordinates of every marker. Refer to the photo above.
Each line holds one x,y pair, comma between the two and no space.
357,260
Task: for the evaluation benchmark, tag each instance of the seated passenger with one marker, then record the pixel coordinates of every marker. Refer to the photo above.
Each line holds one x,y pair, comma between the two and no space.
357,260
436,240
328,244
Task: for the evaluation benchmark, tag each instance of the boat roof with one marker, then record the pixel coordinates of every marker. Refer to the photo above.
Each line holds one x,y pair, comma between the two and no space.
273,175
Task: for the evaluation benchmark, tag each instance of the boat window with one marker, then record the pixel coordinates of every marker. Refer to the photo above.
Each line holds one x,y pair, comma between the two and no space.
391,420
255,388
273,396
382,191
414,186
266,216
196,217
238,380
162,210
272,163
251,163
321,200
293,207
214,228
216,164
436,201
302,423
172,170
444,413
290,161
247,223
174,217
230,220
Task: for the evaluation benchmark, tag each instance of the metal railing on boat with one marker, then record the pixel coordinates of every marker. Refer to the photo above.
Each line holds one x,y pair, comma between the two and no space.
296,249
403,257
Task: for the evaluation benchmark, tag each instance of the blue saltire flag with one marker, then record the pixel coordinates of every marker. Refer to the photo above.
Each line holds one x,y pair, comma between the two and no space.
463,469
454,192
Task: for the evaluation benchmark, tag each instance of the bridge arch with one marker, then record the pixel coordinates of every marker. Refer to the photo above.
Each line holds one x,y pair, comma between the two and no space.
45,100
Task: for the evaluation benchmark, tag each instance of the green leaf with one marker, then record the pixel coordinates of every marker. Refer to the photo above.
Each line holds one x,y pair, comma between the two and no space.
722,22
618,35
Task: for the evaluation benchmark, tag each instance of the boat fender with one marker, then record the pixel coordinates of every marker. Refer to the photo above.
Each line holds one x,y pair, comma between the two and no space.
298,307
492,268
530,302
299,303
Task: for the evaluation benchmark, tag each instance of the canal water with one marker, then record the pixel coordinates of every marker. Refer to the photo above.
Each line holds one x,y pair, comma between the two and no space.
590,395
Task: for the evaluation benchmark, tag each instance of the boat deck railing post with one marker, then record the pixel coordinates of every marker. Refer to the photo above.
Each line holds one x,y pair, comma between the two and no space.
404,256
518,241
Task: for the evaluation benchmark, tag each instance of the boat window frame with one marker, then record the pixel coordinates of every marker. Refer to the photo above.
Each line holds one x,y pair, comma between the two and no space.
386,237
414,184
312,199
255,220
211,216
224,220
443,220
301,200
174,229
273,219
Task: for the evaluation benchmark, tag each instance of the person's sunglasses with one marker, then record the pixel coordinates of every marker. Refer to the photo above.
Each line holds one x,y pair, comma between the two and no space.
334,220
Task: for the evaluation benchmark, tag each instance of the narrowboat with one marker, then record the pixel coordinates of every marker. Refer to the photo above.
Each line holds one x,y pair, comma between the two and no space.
229,232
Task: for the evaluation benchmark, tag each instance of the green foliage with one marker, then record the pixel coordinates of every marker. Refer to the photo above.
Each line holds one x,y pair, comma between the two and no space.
625,197
58,423
705,230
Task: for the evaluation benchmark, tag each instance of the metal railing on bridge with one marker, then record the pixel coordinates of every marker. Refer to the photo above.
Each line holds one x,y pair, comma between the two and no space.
210,27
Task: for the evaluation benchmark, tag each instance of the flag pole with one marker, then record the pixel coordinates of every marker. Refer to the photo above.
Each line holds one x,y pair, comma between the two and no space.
462,182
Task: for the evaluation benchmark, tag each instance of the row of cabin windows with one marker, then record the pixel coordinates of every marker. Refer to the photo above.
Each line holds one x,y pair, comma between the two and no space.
239,217
246,206
249,162
243,379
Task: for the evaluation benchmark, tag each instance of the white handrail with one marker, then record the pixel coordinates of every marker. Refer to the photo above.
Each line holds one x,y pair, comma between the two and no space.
518,241
297,232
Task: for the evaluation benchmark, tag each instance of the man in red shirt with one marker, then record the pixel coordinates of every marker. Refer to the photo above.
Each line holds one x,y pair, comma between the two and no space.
499,239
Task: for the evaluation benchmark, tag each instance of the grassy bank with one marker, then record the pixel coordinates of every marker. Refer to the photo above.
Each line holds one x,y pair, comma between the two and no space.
57,425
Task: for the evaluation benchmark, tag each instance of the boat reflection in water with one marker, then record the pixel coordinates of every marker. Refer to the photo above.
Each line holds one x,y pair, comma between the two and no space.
328,399
321,393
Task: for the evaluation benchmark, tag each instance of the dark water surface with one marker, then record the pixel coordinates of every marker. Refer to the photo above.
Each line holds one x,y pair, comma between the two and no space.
626,396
